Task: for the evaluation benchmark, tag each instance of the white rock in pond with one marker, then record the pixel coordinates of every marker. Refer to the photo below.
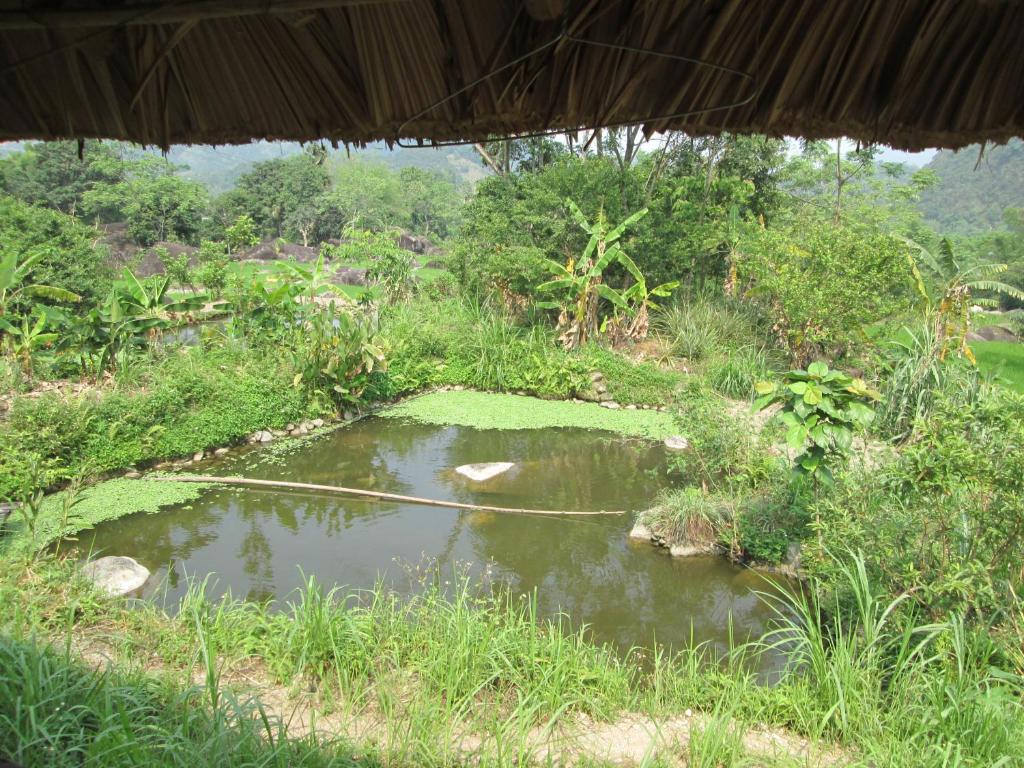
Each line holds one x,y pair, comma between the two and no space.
611,405
677,443
484,471
221,452
265,436
641,532
631,407
198,456
116,575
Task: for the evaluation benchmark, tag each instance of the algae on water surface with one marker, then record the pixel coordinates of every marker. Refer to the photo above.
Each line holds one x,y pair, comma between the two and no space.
106,501
484,410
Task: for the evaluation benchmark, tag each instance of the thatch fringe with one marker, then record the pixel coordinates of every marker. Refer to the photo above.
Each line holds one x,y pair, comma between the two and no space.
911,73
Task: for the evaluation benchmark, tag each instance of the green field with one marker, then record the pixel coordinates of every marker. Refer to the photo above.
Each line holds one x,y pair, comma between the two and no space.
1003,358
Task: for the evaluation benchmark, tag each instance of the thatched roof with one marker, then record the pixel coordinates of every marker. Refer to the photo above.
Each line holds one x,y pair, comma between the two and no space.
912,73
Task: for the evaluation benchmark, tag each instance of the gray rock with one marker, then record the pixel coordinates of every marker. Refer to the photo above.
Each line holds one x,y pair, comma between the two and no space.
265,436
116,575
348,415
198,456
600,388
792,558
289,428
596,376
132,474
221,452
677,443
605,397
688,550
278,433
317,423
589,396
458,388
610,405
641,532
630,407
484,471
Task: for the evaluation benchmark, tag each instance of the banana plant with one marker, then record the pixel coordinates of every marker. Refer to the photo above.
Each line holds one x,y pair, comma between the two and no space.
14,273
23,339
583,280
949,294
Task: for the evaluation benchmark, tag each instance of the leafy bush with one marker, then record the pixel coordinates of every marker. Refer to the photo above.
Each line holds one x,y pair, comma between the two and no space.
824,284
943,521
822,410
193,400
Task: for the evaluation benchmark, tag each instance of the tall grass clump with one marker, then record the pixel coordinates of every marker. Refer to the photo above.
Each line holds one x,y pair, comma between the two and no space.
700,325
917,377
55,712
863,671
735,374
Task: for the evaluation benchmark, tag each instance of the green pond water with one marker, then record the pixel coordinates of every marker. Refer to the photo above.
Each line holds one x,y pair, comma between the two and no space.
259,543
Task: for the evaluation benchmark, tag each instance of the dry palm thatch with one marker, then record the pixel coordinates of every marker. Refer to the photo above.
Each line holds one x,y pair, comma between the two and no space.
912,73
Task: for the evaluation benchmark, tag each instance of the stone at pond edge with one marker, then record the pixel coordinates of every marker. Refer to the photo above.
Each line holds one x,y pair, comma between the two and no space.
116,575
221,451
688,550
611,405
641,532
317,423
677,443
198,456
484,471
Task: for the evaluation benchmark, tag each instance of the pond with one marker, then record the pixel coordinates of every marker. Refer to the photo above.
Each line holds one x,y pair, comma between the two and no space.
259,543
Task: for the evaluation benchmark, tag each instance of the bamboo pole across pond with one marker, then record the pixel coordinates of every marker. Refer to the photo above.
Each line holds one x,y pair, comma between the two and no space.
383,496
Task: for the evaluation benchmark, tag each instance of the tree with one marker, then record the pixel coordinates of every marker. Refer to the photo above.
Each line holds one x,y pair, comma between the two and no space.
241,234
272,191
154,202
53,175
69,258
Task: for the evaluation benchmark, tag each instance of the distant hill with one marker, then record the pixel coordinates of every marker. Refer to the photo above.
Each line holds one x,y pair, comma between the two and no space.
968,201
219,167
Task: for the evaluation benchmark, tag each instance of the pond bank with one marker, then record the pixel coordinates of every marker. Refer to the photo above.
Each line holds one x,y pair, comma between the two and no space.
429,681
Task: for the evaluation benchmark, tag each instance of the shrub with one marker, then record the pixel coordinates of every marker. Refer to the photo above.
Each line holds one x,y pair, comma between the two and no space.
824,284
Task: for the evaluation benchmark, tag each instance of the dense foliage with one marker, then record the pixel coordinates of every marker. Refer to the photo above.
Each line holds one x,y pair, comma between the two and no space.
684,274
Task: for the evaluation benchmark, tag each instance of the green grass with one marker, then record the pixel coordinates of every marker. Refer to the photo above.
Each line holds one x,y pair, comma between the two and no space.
460,660
1002,358
499,411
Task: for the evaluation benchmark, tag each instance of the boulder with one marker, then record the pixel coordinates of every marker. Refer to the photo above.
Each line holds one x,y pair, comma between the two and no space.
265,436
677,443
116,575
484,471
198,456
641,532
688,550
317,423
